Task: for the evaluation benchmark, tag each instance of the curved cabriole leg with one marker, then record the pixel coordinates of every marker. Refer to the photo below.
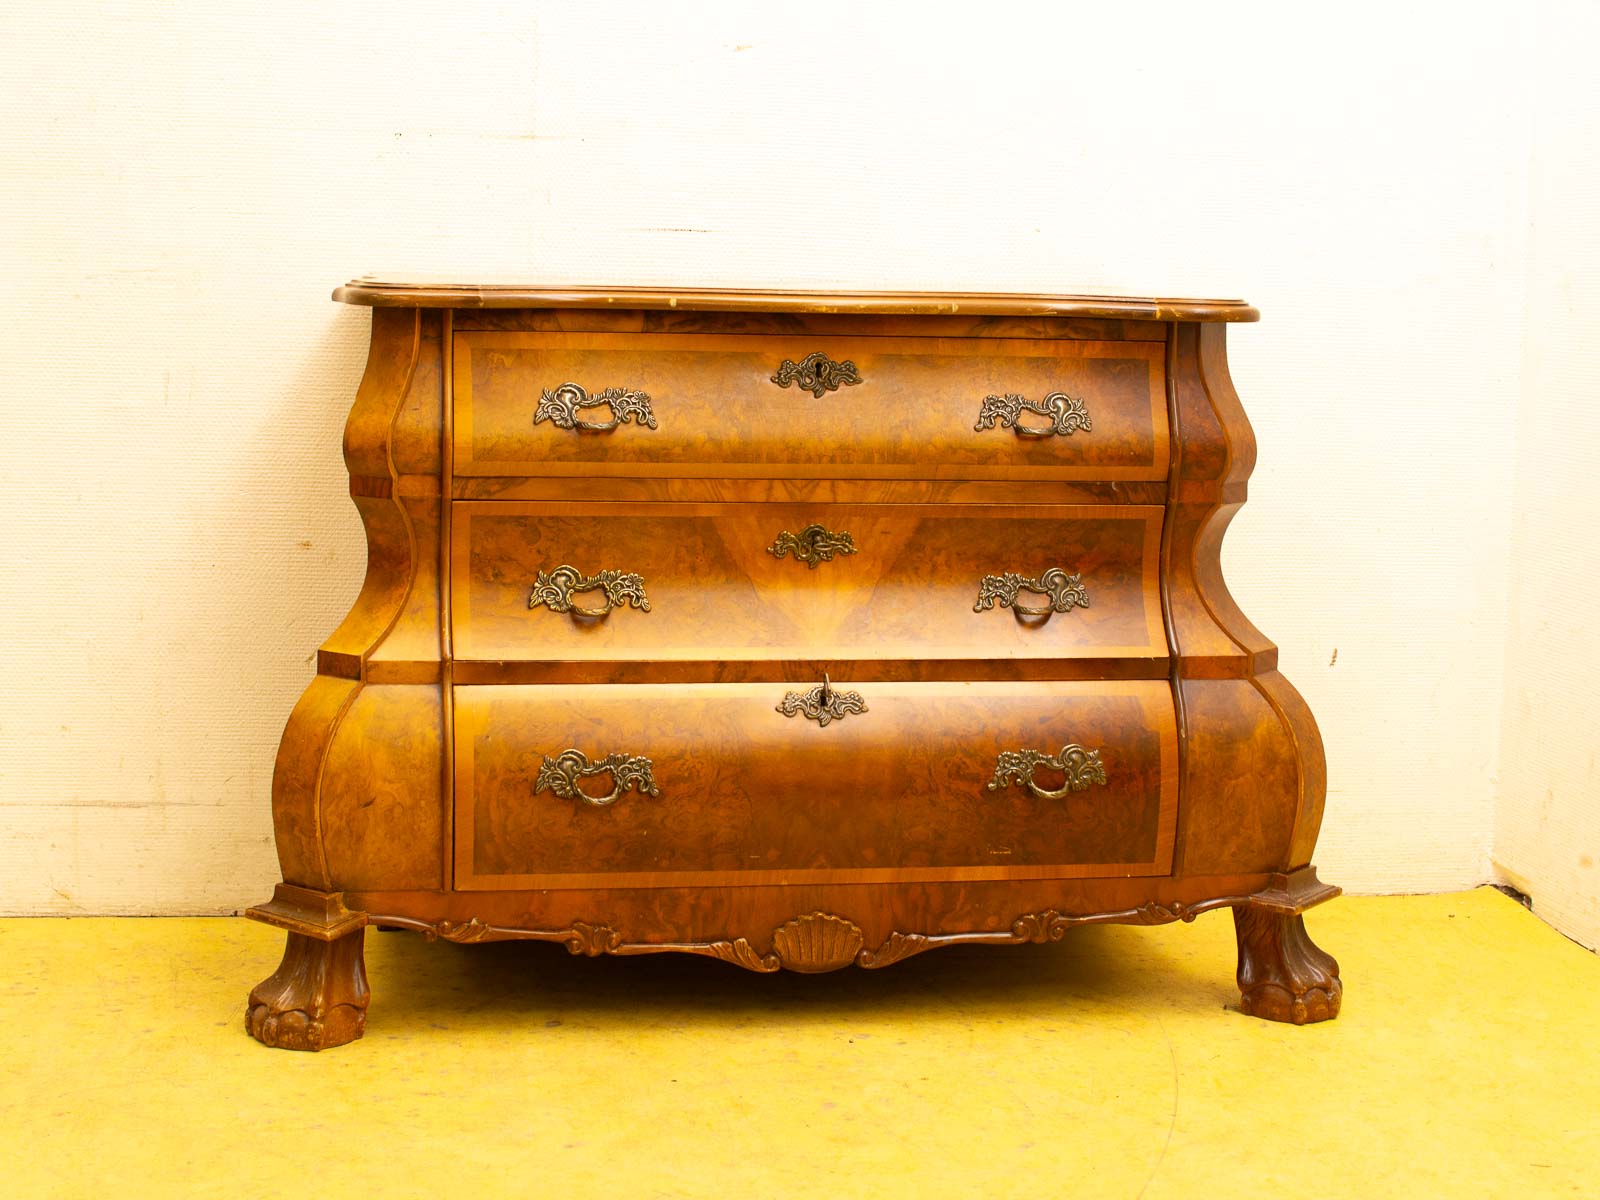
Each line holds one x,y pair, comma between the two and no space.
1283,976
317,997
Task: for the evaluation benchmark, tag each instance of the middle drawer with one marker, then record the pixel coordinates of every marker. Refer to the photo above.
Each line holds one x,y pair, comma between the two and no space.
682,582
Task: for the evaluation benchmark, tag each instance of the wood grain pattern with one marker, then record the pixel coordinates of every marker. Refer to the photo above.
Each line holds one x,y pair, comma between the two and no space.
899,792
1271,731
392,436
618,488
781,670
790,324
907,591
297,791
720,413
447,293
381,774
407,790
752,911
813,942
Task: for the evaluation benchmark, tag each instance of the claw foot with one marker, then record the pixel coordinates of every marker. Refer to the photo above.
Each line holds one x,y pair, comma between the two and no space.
317,998
1283,976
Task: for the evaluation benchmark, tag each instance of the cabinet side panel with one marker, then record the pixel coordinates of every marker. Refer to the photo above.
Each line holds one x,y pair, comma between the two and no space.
383,590
324,794
414,463
1211,364
1254,774
297,779
381,808
1216,457
416,423
391,359
1302,728
412,636
397,411
1241,780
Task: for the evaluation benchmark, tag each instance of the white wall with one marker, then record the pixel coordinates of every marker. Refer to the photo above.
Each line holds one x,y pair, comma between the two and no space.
185,182
1547,837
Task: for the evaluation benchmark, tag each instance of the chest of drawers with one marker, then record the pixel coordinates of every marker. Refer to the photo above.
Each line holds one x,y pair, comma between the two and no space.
798,631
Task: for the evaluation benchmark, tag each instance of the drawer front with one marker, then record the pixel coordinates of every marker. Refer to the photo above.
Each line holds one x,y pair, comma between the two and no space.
777,582
878,407
713,785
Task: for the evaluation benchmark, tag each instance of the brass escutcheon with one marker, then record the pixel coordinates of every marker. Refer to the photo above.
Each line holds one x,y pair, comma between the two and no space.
812,545
817,373
822,703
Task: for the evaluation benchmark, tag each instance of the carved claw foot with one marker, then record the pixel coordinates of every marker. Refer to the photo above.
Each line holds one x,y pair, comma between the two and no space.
1283,976
317,997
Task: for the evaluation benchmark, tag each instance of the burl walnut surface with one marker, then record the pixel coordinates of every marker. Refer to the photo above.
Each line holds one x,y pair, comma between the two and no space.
805,722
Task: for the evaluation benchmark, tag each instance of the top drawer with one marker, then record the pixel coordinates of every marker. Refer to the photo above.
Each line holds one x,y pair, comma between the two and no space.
716,405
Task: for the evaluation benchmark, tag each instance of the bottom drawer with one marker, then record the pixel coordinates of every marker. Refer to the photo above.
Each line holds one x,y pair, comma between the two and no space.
710,784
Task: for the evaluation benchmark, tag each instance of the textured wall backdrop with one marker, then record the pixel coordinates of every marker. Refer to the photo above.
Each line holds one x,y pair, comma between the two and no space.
1547,837
186,181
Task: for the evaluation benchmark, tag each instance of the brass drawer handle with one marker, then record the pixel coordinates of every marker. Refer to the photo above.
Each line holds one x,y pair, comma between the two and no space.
1080,765
561,774
812,545
562,406
1065,592
1067,415
817,373
822,703
555,590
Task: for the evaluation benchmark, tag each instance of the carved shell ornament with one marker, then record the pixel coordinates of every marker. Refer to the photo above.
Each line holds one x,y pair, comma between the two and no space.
816,941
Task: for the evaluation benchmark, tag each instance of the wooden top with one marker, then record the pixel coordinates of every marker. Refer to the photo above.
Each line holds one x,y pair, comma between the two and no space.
440,294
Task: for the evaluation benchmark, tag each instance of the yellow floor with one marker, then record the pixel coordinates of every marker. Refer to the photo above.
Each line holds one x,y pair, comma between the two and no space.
1113,1064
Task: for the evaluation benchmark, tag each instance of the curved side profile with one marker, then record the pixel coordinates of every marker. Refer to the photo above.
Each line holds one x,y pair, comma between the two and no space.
378,816
356,753
1255,777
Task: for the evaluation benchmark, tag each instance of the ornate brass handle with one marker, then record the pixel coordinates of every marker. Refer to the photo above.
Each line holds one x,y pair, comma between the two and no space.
822,704
1065,592
1080,765
561,774
1067,415
817,373
562,406
555,591
812,545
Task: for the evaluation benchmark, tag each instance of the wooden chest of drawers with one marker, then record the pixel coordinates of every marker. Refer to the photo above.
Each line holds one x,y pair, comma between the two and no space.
798,631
